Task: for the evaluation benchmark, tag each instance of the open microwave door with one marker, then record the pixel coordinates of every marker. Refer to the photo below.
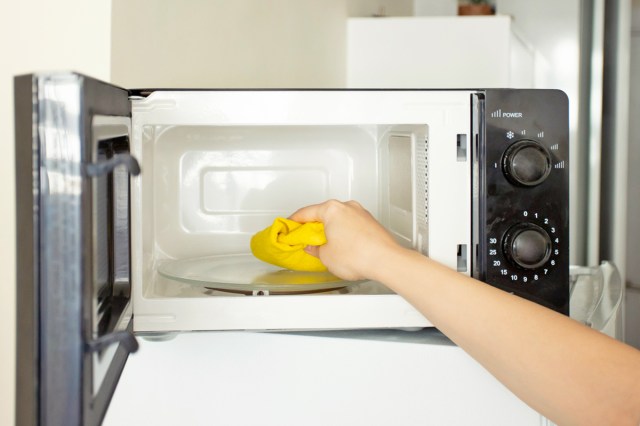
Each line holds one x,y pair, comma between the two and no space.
73,171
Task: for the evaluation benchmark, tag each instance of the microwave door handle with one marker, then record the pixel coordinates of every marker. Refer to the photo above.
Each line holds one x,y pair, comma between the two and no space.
104,167
124,337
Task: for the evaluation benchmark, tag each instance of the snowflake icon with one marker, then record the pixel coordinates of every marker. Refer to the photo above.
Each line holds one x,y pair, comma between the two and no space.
510,134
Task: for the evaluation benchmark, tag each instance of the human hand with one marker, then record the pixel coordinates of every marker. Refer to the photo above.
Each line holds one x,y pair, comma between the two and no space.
357,245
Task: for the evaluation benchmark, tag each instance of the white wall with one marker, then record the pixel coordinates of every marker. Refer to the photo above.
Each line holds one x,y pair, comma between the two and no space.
36,35
222,43
435,7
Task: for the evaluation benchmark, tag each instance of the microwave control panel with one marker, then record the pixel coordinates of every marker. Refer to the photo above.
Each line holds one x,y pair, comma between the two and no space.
521,193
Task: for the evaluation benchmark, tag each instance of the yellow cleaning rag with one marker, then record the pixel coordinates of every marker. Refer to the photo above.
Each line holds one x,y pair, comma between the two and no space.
282,244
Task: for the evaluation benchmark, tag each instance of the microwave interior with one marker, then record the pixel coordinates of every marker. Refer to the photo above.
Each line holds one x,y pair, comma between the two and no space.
210,180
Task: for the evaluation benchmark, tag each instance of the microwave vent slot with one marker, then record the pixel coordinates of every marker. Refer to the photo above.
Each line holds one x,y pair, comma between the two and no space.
422,194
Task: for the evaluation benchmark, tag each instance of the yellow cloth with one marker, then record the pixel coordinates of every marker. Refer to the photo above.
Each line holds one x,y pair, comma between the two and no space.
282,244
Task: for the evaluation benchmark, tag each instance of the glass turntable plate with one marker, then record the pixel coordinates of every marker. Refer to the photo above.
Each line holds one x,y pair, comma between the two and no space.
243,273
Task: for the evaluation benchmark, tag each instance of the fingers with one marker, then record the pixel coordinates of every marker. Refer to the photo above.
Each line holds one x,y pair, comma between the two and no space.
314,212
307,214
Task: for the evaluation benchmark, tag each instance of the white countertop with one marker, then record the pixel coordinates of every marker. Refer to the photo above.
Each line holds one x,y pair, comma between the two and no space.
330,378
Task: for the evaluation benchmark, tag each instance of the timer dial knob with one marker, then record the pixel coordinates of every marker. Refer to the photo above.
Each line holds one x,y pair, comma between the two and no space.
526,162
527,245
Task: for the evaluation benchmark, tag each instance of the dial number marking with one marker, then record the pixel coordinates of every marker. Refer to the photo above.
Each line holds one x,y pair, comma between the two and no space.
534,219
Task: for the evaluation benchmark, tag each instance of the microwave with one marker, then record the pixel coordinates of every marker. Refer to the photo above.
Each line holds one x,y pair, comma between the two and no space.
135,209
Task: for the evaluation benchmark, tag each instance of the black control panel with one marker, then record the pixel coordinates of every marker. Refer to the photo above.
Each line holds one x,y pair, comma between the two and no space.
521,193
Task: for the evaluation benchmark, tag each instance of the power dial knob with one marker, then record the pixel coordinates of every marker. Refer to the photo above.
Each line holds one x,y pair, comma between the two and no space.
527,245
526,162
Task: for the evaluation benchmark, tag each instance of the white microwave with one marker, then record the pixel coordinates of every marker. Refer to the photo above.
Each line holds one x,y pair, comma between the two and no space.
136,207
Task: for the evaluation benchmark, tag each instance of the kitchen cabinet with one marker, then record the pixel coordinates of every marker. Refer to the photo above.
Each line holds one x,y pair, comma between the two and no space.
443,51
322,378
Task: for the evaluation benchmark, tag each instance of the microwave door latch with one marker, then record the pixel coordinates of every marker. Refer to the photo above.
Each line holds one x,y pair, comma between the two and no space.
105,167
126,338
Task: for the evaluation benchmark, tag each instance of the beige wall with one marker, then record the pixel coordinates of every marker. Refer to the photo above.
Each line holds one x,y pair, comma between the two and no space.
222,43
37,35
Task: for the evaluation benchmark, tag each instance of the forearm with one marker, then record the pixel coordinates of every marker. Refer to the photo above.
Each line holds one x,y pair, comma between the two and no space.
566,371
